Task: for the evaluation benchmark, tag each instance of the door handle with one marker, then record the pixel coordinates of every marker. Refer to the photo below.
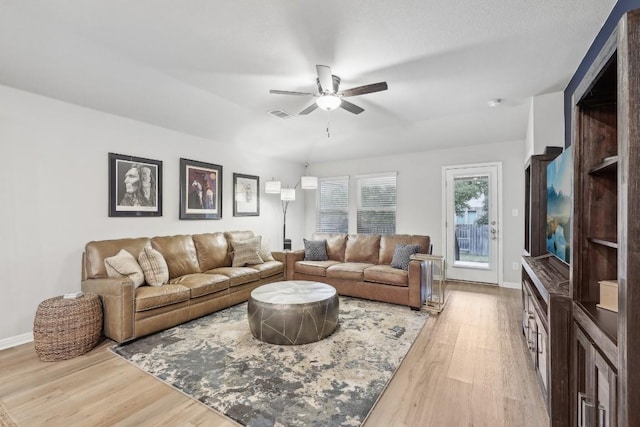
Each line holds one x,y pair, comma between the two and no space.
493,233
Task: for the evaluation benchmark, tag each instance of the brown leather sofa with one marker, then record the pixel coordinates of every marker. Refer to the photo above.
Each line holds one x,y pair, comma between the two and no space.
201,281
359,265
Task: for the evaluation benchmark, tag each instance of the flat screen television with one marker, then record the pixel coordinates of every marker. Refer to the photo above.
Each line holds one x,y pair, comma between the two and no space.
559,205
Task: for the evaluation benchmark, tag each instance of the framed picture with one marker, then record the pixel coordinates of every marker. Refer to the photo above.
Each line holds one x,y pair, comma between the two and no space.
135,186
200,190
246,195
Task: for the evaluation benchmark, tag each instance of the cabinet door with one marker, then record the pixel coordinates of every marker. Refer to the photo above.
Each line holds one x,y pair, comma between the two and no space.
541,352
605,392
596,383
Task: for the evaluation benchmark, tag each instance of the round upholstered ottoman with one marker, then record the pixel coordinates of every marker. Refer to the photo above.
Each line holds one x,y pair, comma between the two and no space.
66,328
293,312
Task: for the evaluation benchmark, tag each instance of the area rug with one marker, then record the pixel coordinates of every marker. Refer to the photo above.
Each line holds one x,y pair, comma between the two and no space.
333,382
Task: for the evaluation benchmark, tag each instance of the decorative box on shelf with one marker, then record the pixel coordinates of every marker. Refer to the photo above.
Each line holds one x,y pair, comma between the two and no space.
608,295
435,296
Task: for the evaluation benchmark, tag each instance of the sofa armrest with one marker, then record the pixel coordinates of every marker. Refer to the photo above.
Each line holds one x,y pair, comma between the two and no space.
292,258
117,295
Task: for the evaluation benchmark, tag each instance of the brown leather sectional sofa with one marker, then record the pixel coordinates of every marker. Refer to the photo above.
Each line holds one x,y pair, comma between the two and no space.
201,281
359,266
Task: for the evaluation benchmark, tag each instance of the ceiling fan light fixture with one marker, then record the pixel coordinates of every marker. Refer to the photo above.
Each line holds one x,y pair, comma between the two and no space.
328,102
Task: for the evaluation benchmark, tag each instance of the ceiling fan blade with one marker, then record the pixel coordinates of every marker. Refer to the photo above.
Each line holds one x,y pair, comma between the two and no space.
309,109
324,78
287,92
361,90
352,108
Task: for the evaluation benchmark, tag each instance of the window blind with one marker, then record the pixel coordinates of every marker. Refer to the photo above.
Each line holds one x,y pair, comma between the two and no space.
376,212
332,208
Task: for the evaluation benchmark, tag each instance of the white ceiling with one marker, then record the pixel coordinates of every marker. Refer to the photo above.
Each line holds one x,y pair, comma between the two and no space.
205,67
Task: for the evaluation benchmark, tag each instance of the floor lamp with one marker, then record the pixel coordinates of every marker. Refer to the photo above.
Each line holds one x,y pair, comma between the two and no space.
288,195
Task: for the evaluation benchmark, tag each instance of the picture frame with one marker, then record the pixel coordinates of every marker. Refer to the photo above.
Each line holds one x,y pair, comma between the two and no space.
246,195
135,186
200,190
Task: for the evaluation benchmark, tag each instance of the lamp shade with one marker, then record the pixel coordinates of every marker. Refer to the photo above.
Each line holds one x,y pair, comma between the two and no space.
288,194
309,182
272,187
328,102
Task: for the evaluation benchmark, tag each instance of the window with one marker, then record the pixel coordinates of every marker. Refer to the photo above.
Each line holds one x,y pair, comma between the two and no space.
377,204
332,214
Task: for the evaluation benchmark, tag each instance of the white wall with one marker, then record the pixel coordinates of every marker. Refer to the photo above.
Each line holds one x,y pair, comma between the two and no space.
546,123
54,194
420,186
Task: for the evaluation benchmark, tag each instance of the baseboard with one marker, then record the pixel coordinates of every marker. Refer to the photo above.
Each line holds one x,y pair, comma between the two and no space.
512,285
16,341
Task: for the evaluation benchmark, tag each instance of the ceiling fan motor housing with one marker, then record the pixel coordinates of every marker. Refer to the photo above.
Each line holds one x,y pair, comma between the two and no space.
335,81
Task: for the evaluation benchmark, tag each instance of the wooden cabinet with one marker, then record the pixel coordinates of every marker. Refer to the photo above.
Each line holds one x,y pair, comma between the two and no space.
546,324
535,209
606,232
597,404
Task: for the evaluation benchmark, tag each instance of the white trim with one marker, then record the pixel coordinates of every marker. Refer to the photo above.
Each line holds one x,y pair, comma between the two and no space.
499,216
16,341
511,285
376,175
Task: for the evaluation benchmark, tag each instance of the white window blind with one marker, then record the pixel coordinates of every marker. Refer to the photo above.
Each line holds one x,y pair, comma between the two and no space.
332,215
376,213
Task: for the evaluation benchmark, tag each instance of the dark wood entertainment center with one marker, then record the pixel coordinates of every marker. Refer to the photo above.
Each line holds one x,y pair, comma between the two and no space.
588,357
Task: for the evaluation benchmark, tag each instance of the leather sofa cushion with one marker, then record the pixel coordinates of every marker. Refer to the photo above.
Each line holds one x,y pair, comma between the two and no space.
387,275
388,244
336,244
348,270
180,254
363,248
237,275
212,249
268,268
238,235
96,252
150,297
313,268
201,284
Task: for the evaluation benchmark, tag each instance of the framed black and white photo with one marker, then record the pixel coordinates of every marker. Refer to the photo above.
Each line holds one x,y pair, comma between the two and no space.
200,190
135,186
246,195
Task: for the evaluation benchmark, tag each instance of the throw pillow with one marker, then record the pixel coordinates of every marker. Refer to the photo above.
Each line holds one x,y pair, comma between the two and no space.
124,264
402,254
246,252
265,252
156,271
315,250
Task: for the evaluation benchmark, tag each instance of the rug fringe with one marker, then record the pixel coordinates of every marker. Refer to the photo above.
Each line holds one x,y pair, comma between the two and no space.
111,349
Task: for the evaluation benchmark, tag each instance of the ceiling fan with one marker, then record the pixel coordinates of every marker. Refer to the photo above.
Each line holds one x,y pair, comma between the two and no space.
328,97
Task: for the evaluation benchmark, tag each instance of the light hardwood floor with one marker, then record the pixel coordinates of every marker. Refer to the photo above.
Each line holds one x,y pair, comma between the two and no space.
468,367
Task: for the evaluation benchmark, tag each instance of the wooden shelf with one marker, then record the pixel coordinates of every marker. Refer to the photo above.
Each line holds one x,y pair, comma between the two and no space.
601,325
608,242
608,165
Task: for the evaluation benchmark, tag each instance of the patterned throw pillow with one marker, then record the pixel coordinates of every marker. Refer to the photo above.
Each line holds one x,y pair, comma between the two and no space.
124,264
265,252
315,250
246,252
156,271
402,254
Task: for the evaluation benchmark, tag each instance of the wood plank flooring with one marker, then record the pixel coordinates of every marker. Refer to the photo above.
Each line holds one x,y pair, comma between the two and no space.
468,367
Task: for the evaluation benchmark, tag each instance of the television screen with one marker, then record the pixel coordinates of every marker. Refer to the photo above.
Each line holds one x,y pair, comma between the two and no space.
559,205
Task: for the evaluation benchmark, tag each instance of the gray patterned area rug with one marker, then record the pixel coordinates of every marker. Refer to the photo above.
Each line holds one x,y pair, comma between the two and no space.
333,382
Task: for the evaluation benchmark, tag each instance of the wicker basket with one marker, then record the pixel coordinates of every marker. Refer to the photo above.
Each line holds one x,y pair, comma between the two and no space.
66,328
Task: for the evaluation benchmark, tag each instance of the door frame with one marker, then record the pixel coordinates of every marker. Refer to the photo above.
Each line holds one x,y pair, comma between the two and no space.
498,166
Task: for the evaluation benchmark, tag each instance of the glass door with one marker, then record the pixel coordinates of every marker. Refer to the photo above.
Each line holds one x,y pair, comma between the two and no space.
472,236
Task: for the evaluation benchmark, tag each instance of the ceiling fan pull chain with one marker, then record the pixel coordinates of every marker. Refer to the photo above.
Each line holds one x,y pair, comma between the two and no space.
328,135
